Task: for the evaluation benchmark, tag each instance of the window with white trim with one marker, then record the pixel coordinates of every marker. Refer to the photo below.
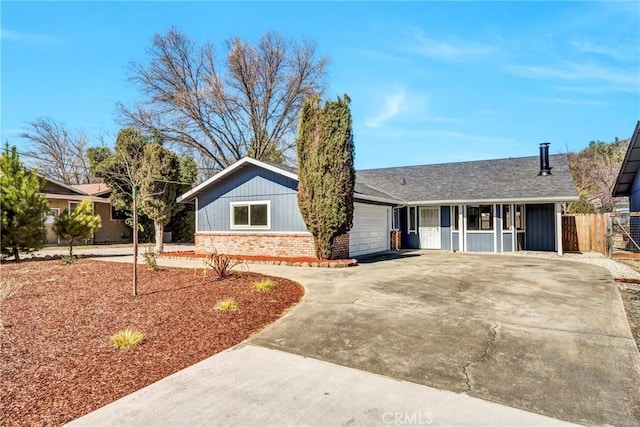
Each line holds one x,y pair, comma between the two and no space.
250,214
455,213
52,215
73,206
412,219
519,217
395,219
506,217
480,217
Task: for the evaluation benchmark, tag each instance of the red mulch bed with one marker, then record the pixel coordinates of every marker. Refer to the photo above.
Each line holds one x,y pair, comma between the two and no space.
308,261
57,360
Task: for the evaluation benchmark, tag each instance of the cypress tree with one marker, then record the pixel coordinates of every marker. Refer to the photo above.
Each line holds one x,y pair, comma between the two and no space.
23,207
326,170
77,225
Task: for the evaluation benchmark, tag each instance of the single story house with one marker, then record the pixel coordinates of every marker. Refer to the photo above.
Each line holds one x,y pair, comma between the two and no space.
61,197
499,205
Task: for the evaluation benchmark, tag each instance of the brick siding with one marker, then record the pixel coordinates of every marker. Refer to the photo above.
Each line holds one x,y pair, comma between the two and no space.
270,244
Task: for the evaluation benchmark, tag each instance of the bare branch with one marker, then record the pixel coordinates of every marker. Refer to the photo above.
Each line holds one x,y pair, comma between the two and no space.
56,152
249,107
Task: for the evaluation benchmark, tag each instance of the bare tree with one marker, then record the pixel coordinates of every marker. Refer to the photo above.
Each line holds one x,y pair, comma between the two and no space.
247,107
595,170
56,152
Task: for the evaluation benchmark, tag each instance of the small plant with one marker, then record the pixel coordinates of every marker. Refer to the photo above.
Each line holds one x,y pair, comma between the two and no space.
8,288
221,264
150,258
264,285
226,305
127,339
68,259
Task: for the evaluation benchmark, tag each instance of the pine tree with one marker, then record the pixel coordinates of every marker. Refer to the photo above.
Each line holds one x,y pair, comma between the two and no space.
326,174
77,225
23,207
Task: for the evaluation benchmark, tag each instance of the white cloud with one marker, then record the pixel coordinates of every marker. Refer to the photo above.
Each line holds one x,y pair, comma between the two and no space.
582,102
622,80
18,36
416,42
390,109
617,52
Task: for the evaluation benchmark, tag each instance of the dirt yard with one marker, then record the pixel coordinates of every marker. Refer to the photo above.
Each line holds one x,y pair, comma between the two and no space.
631,297
57,359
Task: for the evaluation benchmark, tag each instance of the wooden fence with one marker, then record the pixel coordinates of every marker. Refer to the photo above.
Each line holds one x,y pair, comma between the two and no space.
586,232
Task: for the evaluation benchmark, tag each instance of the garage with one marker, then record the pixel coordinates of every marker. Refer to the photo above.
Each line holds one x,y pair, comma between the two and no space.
370,231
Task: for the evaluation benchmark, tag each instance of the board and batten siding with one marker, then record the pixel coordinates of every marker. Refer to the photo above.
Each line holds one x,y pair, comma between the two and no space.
251,184
479,242
540,227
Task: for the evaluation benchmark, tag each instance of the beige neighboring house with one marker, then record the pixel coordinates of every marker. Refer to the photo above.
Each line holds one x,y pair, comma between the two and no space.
61,197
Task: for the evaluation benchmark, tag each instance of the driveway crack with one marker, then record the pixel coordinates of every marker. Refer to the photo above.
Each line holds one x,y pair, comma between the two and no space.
483,357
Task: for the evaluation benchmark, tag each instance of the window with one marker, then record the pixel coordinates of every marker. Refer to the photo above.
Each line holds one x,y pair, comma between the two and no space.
73,206
250,215
395,219
412,220
519,217
480,218
117,214
51,216
506,217
455,213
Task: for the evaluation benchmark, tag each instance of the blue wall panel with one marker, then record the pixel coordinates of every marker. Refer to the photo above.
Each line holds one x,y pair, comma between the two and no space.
507,242
456,242
480,242
251,183
540,227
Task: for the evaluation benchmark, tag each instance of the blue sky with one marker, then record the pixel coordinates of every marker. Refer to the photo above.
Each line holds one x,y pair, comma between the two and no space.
430,82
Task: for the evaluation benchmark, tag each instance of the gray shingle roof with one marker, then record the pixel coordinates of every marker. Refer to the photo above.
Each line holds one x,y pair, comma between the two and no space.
367,190
501,179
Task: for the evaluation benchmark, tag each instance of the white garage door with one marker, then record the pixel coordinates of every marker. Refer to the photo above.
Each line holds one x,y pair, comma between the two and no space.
370,231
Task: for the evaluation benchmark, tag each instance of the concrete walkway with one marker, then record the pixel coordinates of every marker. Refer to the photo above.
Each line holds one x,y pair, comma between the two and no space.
255,386
546,336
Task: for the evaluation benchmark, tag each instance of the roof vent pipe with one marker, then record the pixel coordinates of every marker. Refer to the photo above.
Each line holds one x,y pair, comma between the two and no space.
545,169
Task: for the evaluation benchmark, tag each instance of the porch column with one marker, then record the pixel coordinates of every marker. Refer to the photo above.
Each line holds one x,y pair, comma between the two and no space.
559,228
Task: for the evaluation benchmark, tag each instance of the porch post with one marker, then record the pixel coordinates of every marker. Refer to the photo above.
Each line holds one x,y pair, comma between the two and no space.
559,228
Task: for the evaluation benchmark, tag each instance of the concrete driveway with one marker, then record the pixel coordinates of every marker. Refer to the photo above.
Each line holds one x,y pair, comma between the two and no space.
547,336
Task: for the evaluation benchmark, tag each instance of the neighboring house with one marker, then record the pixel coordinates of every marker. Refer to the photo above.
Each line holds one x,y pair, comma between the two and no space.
628,182
501,205
61,197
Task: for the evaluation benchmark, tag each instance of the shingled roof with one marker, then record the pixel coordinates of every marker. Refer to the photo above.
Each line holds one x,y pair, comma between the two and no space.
483,180
514,179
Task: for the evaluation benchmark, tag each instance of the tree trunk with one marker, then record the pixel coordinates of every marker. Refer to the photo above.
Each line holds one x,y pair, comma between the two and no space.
159,227
70,248
135,242
16,254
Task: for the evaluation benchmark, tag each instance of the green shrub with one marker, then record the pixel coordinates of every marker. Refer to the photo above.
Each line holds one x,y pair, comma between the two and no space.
264,285
226,305
221,264
150,258
127,339
68,259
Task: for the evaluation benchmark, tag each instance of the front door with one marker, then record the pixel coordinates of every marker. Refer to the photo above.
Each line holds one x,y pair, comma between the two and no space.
429,228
